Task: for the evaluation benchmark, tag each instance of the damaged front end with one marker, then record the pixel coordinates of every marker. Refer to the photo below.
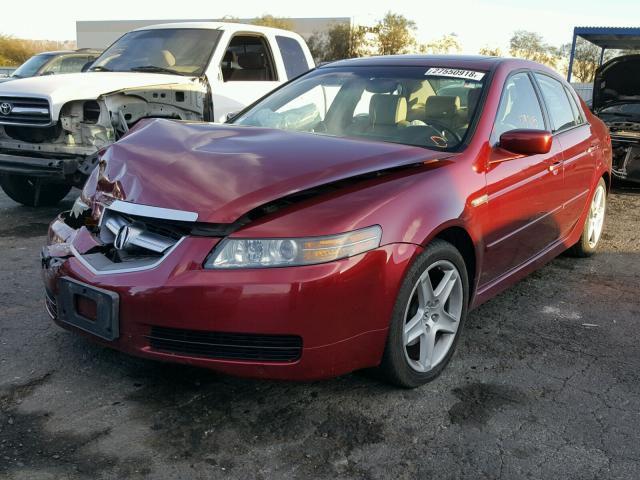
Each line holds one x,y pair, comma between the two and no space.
34,143
616,101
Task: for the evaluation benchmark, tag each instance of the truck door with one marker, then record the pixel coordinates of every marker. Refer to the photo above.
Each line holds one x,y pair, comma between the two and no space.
246,72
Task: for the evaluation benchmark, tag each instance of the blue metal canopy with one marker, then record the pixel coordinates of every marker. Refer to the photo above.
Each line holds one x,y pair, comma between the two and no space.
618,38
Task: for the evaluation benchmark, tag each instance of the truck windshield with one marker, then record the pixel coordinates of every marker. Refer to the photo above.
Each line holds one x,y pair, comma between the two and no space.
31,66
427,106
179,51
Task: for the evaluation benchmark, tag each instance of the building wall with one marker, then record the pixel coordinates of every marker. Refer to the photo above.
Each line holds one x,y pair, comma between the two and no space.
101,34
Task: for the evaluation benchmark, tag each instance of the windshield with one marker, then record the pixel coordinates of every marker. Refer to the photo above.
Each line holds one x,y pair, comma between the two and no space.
422,106
180,51
31,66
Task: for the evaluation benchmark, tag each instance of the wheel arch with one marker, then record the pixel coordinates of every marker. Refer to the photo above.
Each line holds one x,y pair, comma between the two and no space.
460,238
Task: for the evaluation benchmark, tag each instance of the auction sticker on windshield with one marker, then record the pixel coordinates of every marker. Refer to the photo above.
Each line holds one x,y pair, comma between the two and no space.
455,73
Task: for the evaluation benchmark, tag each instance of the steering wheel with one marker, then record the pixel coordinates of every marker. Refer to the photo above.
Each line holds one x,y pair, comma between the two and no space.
440,128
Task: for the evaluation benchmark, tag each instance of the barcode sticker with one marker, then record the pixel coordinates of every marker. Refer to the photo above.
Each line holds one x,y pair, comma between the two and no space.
455,73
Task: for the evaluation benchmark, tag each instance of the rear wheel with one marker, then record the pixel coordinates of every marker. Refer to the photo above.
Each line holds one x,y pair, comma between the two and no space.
593,225
428,317
33,192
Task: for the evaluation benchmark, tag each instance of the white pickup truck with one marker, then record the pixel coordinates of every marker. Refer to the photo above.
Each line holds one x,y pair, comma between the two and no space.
52,127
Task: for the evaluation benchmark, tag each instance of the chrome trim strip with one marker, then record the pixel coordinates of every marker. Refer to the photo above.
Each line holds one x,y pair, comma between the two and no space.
153,212
33,110
90,267
482,199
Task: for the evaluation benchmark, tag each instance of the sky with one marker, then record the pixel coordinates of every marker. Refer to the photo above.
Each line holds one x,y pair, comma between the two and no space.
477,23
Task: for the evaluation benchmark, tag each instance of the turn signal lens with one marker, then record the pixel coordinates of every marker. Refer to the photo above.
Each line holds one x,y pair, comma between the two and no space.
282,252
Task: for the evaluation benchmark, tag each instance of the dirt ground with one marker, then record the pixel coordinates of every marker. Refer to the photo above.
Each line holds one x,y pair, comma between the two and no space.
545,384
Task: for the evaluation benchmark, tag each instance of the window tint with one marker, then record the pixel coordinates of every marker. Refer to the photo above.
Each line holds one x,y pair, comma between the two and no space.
295,62
557,102
519,107
247,59
577,113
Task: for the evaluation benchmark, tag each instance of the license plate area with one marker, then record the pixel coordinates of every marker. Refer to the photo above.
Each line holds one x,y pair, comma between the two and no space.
89,308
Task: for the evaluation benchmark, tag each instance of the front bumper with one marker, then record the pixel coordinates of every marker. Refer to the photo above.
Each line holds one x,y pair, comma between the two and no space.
339,310
37,166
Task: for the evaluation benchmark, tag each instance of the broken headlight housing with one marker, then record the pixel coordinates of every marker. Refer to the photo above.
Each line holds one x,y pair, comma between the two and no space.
283,252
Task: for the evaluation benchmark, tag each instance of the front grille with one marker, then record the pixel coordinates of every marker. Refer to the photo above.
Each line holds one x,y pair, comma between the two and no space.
227,346
24,111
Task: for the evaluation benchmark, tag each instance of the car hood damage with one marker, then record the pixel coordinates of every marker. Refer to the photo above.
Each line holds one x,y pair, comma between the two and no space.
222,172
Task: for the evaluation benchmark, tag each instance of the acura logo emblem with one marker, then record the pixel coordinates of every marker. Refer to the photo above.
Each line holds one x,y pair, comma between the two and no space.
122,238
5,108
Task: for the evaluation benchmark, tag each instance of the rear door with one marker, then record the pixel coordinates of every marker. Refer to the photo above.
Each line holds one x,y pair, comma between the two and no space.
246,71
578,144
523,190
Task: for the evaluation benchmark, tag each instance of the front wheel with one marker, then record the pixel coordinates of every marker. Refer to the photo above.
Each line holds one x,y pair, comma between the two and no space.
32,192
428,317
593,225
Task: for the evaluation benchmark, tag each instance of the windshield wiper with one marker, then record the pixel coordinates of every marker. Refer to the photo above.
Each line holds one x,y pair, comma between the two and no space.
154,69
100,68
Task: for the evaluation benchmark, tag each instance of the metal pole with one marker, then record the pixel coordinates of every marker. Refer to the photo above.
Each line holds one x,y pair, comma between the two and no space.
601,56
573,53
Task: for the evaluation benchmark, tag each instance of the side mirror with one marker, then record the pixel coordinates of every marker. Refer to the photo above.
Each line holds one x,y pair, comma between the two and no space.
526,142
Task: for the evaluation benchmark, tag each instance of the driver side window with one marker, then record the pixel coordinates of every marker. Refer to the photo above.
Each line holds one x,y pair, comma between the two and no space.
519,107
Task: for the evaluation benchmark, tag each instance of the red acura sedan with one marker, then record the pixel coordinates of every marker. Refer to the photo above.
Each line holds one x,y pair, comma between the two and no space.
350,219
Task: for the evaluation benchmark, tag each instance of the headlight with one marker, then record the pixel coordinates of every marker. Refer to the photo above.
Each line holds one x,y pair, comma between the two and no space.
283,252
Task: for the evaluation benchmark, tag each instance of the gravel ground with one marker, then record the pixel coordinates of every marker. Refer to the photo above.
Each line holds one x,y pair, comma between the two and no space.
545,384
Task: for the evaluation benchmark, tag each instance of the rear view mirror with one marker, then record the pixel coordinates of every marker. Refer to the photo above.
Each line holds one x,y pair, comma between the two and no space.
526,142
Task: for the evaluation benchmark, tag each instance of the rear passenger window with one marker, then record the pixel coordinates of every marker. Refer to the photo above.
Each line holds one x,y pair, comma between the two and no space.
247,58
295,63
577,113
555,97
519,107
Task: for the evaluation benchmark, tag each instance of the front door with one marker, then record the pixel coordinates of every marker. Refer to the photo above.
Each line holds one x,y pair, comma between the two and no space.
247,72
523,191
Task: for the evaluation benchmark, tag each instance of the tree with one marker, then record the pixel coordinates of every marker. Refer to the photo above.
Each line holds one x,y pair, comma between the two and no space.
445,44
531,45
395,34
14,51
490,51
275,22
342,40
586,59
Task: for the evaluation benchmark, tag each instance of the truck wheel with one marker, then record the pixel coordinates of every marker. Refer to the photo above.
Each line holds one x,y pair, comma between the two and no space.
31,192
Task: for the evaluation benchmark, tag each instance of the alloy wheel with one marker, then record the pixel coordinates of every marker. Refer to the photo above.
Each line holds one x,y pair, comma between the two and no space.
432,316
596,216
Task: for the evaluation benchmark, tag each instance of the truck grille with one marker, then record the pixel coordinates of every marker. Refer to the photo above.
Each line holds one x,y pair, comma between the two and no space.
24,111
227,346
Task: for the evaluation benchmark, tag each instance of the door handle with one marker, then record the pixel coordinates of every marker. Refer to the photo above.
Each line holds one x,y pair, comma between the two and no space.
555,166
591,149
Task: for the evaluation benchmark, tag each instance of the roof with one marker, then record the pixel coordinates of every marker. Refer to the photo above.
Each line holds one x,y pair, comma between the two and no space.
218,26
453,61
619,38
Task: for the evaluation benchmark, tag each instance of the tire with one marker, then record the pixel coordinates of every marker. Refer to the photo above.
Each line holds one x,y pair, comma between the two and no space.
593,224
433,323
24,190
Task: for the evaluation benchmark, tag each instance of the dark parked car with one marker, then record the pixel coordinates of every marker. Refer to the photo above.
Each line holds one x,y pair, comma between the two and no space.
348,220
52,63
616,100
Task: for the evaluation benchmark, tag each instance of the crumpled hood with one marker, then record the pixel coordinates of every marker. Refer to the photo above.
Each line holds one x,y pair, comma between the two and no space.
222,172
60,89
